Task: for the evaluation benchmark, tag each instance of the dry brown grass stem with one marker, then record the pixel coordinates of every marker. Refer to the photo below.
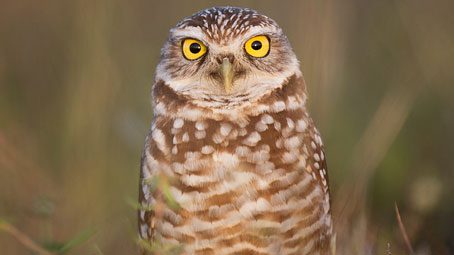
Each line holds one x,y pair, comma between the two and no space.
23,239
403,231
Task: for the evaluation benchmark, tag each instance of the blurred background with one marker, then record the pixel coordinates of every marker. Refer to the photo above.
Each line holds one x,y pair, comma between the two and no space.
75,78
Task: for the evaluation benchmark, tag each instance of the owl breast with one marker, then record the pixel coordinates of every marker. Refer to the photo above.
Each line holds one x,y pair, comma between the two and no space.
253,186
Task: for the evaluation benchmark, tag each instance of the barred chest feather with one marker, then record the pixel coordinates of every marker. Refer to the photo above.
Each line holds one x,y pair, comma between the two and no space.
250,183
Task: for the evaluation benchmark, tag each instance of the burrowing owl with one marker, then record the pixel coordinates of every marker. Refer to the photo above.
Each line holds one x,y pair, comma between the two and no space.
233,163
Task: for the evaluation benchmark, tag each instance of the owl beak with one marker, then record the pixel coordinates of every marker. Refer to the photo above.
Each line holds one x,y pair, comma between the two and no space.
227,74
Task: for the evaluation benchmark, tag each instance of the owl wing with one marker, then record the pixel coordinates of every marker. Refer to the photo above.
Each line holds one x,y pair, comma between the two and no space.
145,212
313,150
316,165
317,161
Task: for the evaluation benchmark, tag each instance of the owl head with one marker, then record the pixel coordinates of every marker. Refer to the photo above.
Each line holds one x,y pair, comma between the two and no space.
224,56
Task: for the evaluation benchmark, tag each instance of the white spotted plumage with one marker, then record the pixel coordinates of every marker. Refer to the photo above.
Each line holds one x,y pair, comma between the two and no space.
245,168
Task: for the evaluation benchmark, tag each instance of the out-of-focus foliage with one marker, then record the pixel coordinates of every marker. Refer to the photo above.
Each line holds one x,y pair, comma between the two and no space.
75,78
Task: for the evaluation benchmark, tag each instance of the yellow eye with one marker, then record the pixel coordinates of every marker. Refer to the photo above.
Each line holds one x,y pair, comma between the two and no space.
193,49
258,46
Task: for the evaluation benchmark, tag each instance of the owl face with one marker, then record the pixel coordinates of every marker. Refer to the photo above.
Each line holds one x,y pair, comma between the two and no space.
224,56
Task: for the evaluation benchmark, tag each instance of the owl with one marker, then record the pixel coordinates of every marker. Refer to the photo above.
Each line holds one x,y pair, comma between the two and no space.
233,163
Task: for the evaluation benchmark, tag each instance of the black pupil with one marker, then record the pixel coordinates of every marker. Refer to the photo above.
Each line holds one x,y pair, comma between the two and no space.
256,45
195,48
